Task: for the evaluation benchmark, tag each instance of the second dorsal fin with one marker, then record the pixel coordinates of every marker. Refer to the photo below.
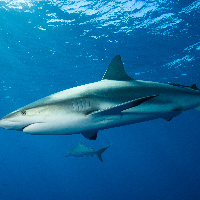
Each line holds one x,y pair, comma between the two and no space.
116,71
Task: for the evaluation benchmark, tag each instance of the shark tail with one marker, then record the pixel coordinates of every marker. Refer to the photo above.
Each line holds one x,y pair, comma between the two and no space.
100,151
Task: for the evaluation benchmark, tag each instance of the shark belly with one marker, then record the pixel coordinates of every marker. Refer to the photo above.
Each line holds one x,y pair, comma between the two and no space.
58,125
86,124
80,123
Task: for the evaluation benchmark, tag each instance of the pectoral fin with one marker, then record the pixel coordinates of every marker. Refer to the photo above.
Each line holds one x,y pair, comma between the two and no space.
121,107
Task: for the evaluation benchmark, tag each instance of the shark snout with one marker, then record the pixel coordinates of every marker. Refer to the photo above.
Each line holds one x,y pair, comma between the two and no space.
11,125
4,123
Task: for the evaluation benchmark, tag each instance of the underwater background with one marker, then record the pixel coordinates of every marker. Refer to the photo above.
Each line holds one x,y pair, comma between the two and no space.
51,45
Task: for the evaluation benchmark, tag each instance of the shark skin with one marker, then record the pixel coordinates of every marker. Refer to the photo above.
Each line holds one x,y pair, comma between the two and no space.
82,151
116,100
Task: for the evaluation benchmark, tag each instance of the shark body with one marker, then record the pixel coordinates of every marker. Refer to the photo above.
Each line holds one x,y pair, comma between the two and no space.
82,151
114,101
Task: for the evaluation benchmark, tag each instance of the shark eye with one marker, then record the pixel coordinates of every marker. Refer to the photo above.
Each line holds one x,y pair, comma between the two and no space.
23,112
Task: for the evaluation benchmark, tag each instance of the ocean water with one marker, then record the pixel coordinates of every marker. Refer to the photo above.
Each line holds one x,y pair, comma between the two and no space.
51,45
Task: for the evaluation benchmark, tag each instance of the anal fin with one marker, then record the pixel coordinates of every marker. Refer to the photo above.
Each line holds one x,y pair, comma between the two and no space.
173,114
194,87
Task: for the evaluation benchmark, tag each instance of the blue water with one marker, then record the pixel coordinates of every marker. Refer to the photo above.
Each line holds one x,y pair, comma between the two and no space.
51,45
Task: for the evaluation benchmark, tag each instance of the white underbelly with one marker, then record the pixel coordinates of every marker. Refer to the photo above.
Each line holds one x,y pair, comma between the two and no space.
74,124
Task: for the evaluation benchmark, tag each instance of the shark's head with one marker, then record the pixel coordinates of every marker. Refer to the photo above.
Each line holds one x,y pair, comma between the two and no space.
41,119
20,119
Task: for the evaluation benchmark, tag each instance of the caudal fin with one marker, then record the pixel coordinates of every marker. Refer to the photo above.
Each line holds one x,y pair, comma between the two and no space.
100,151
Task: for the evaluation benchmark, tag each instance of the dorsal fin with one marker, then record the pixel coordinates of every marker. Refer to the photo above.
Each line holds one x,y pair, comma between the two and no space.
116,70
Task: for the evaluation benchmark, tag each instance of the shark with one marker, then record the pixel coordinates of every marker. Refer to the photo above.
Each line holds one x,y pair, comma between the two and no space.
114,101
82,151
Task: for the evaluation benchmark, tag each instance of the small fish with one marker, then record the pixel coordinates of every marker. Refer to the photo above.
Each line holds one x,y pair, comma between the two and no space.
82,151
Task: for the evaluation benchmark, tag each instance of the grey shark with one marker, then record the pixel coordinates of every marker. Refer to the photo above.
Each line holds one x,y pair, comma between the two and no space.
114,101
82,151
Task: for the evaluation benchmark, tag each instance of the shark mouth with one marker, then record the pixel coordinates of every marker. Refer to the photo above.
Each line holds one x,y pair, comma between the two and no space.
29,125
37,128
